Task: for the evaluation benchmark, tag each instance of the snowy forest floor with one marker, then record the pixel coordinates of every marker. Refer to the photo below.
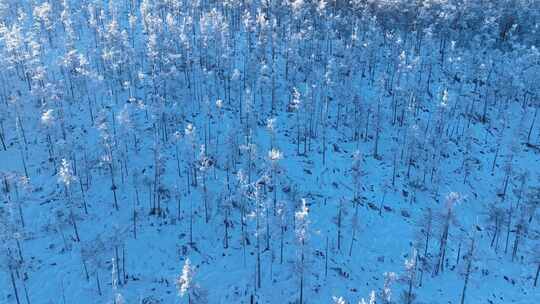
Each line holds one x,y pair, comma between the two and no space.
137,152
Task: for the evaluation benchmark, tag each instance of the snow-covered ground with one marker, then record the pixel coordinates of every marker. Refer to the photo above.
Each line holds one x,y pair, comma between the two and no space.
293,152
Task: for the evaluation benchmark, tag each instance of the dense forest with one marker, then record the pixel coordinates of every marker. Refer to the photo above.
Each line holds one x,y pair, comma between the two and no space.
269,151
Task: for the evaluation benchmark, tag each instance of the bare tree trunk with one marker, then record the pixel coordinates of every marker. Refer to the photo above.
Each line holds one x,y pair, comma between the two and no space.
134,223
258,245
409,297
98,284
468,271
63,291
495,159
2,139
326,259
14,286
382,203
117,265
226,223
74,223
302,275
83,197
191,222
508,225
443,242
354,228
124,264
530,129
339,227
516,241
27,297
536,277
85,270
377,131
281,244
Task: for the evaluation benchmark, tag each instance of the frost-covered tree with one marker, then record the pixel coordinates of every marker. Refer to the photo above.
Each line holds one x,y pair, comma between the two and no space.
386,292
275,156
371,299
66,177
446,218
187,286
409,278
338,300
302,225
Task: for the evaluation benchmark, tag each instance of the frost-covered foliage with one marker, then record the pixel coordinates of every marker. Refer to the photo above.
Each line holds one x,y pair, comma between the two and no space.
184,281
